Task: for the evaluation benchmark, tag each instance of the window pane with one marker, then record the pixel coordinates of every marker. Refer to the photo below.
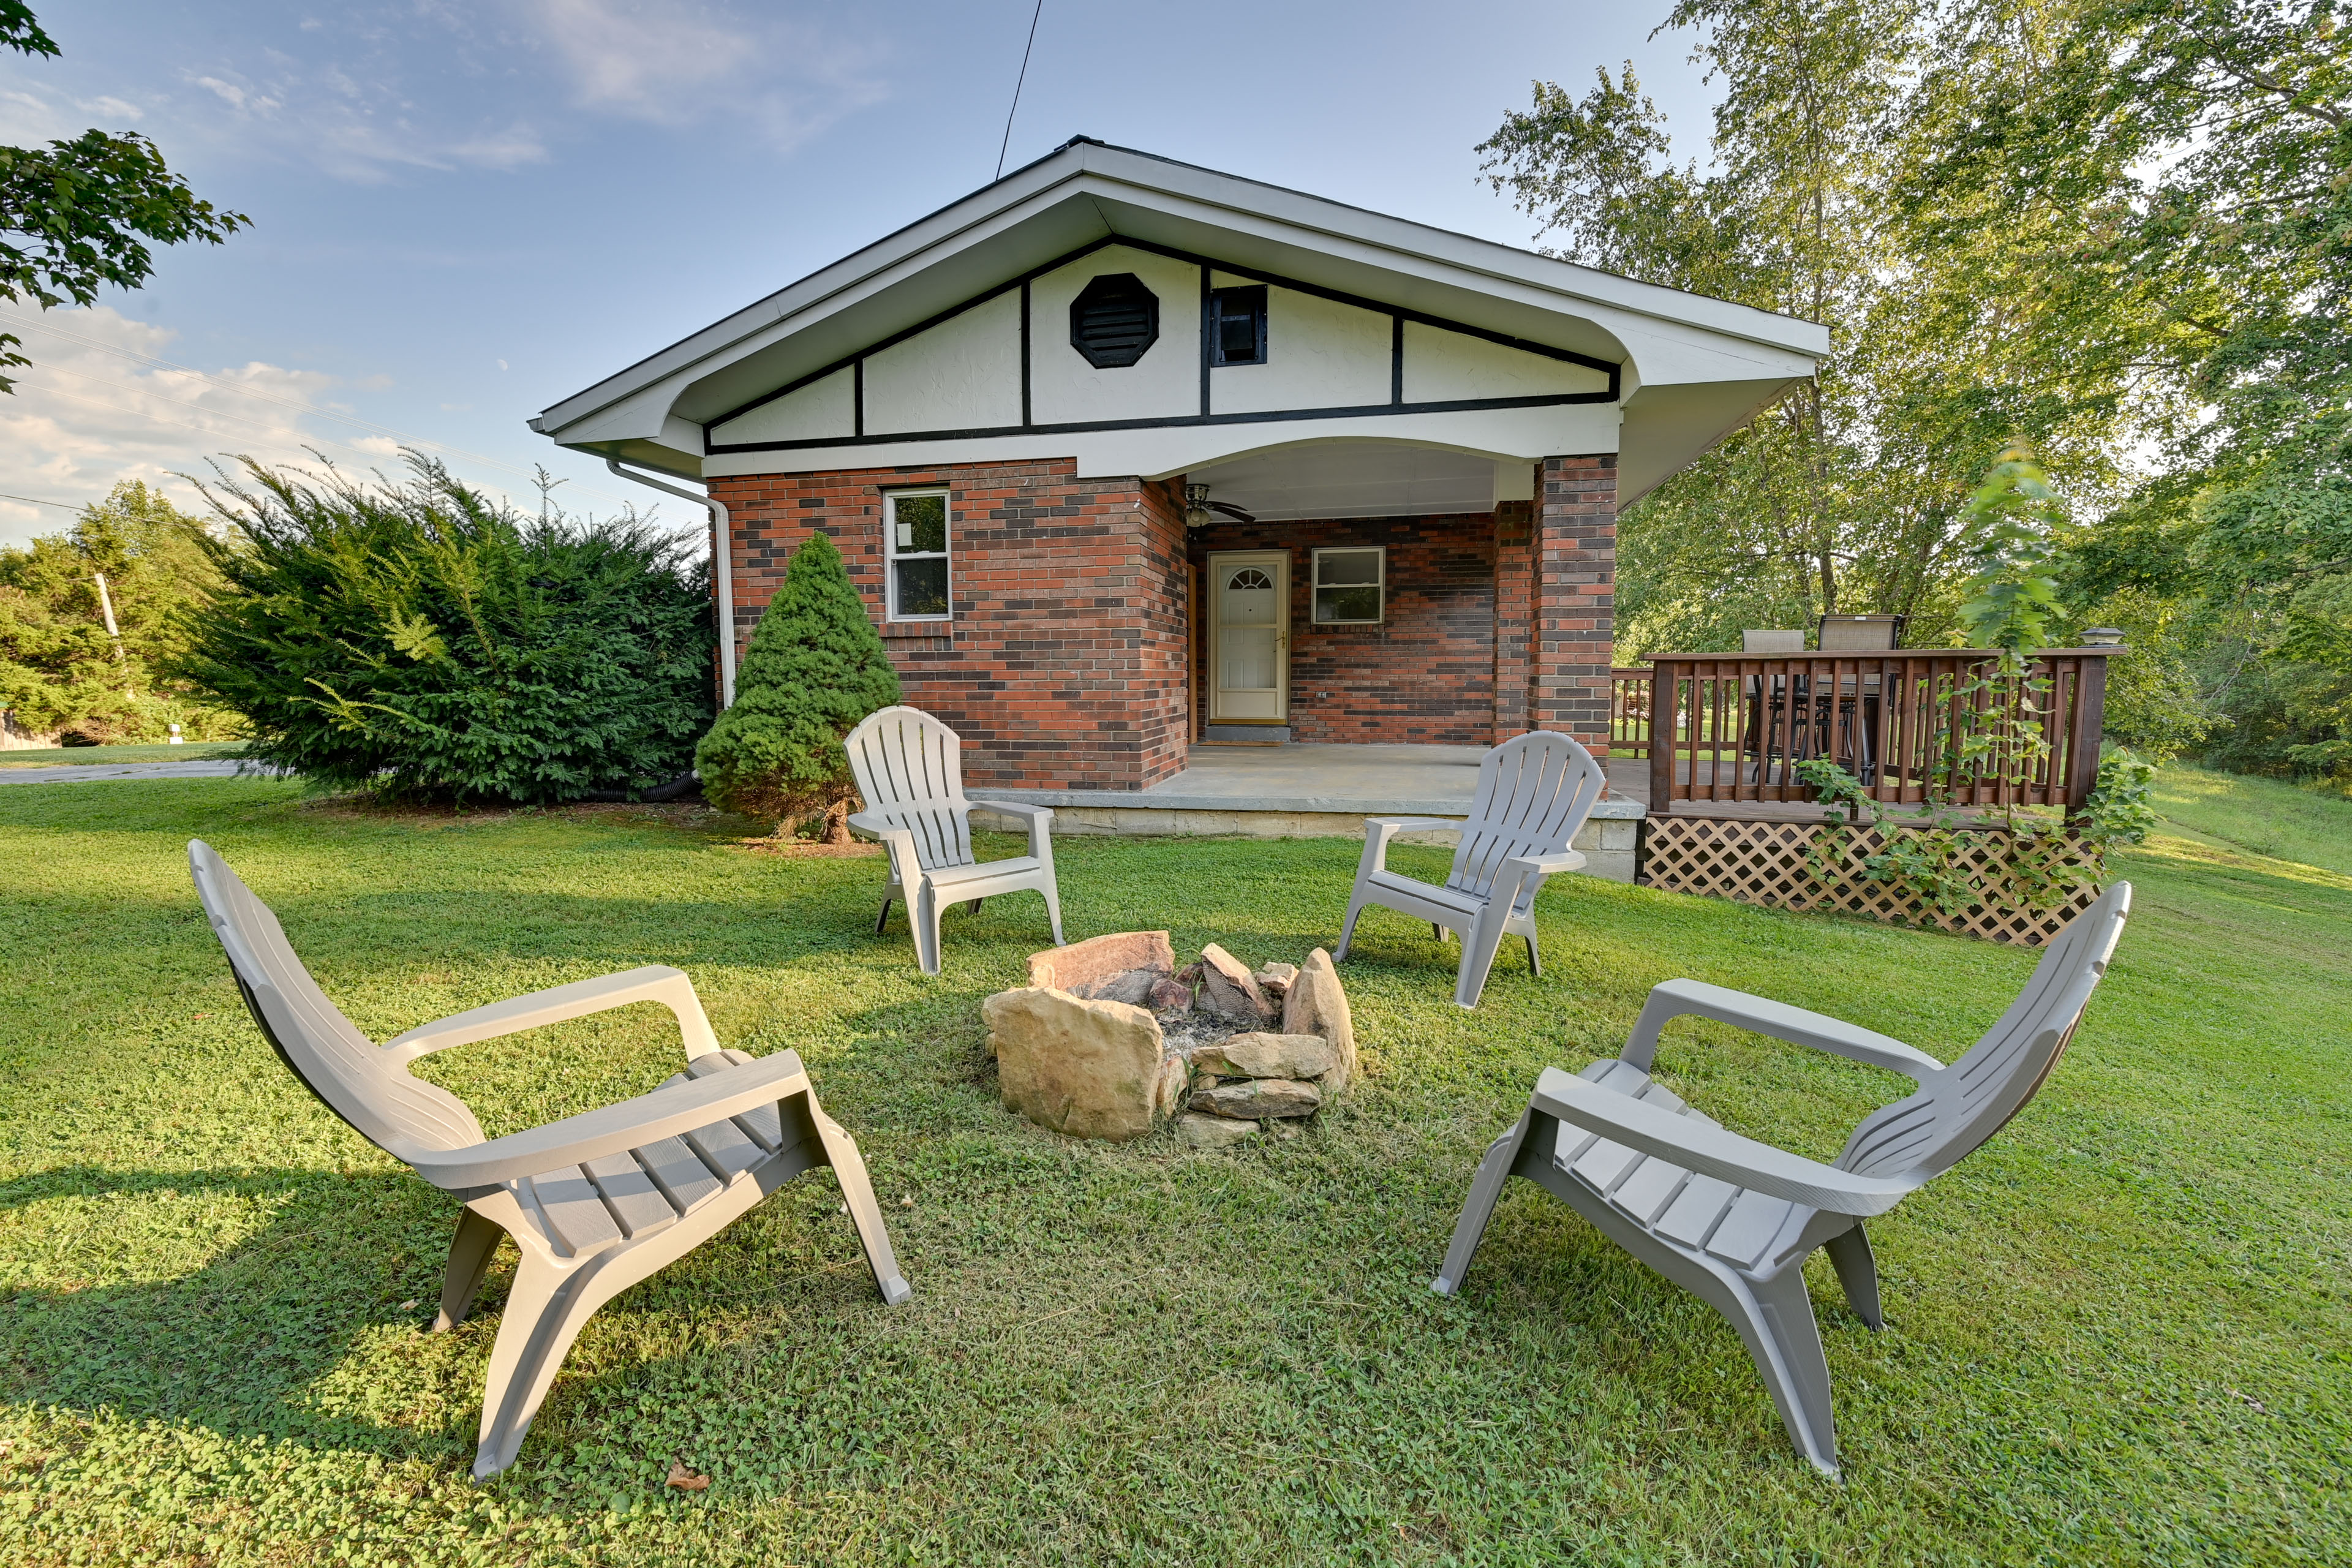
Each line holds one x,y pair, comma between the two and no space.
922,522
922,587
1347,603
1349,566
1240,333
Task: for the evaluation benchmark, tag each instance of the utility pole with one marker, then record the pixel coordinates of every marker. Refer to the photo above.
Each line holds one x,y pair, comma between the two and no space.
106,607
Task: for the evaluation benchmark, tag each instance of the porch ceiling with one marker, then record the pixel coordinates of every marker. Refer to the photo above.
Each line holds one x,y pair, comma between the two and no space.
1362,478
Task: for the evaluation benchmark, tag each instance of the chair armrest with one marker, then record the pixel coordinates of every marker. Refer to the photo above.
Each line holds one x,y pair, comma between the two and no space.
1545,865
1714,1151
1040,819
653,983
1392,826
1674,998
631,1124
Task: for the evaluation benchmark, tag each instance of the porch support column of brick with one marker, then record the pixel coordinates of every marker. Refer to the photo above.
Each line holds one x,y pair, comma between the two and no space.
1574,552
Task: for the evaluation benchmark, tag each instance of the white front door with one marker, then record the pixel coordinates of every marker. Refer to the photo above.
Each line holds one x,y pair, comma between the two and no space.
1249,638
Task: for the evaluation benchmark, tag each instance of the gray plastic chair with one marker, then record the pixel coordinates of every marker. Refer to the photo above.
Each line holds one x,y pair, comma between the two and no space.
1534,794
909,769
596,1201
1733,1220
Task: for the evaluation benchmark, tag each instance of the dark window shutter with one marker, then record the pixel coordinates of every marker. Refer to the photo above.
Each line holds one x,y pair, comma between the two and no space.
1113,319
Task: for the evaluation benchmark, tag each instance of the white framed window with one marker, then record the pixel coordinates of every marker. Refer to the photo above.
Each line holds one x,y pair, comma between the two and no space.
1351,585
915,540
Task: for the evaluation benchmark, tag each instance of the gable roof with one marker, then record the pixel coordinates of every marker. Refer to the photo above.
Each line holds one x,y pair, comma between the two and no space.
1692,368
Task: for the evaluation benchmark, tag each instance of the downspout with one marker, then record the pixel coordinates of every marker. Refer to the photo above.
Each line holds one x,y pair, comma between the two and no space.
722,561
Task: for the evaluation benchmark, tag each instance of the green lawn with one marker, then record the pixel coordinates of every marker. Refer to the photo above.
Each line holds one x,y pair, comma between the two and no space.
2118,1333
93,756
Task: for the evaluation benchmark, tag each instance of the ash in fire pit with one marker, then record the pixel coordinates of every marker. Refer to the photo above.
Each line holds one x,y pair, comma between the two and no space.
1109,1036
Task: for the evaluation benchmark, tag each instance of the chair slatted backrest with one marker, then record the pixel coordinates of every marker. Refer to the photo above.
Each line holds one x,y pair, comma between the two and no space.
909,769
381,1100
1534,794
1957,1109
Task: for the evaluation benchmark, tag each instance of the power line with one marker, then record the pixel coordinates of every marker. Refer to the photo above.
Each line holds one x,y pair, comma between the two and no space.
403,437
34,500
1016,88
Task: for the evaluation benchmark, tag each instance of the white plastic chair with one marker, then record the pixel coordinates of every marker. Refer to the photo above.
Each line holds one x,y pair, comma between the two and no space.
595,1202
909,769
1534,795
1733,1220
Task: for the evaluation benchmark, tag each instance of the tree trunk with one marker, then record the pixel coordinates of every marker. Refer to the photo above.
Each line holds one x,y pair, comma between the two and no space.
787,829
836,823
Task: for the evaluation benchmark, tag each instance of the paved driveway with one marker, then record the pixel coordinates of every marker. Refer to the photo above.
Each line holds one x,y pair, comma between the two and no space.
97,772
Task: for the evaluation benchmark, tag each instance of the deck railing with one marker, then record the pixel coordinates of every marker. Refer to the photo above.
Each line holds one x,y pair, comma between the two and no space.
1738,722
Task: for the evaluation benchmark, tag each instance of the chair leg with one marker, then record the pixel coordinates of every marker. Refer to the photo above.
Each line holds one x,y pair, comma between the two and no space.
544,1313
924,912
883,918
1776,1320
1857,1270
1436,931
857,1197
973,908
1479,949
471,1251
1485,1190
1348,932
1534,960
1054,911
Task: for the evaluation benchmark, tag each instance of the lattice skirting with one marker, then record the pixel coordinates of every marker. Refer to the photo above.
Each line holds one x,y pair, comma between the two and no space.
1765,863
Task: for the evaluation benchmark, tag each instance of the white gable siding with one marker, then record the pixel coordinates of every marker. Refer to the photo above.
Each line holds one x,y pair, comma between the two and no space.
1165,384
1318,355
822,409
962,374
1446,367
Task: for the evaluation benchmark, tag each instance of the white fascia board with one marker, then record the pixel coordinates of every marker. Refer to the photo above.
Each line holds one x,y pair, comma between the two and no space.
1160,452
1467,270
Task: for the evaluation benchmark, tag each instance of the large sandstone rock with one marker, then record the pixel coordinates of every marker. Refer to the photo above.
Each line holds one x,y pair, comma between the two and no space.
1083,968
1092,1069
1227,987
1267,1056
1260,1097
1316,1004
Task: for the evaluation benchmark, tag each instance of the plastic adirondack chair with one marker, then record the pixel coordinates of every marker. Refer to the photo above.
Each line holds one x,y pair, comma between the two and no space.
1534,794
595,1202
909,769
1733,1220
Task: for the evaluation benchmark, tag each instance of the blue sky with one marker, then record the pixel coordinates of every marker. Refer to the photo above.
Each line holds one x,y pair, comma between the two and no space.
464,212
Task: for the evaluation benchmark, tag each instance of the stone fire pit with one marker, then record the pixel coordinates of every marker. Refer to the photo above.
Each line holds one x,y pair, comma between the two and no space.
1109,1037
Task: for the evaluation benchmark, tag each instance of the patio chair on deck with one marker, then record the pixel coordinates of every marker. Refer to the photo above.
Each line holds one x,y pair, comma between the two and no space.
1733,1220
595,1202
909,768
1534,794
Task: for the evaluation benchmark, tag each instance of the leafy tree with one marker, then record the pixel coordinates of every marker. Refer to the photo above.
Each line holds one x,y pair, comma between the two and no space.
61,669
815,669
415,639
72,214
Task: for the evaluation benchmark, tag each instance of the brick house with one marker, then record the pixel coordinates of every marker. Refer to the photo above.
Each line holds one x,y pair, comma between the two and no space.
1127,454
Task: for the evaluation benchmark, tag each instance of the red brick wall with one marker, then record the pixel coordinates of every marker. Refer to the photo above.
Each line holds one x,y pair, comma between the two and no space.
1426,675
1065,664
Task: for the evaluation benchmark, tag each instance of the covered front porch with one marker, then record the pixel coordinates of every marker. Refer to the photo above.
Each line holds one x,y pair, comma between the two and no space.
1304,791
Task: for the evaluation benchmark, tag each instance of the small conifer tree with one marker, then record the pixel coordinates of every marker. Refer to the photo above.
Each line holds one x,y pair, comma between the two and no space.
815,669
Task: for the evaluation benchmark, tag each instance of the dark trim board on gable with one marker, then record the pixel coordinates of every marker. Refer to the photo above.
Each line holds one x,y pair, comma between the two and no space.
1398,314
1266,417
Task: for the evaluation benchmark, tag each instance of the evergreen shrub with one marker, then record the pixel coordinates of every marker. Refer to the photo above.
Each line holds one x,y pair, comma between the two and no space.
417,639
815,669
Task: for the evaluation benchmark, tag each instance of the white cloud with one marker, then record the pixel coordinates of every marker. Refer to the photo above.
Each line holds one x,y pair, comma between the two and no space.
681,62
83,418
112,108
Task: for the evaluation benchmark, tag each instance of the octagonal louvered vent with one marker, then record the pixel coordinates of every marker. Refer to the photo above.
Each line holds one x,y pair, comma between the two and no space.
1113,319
